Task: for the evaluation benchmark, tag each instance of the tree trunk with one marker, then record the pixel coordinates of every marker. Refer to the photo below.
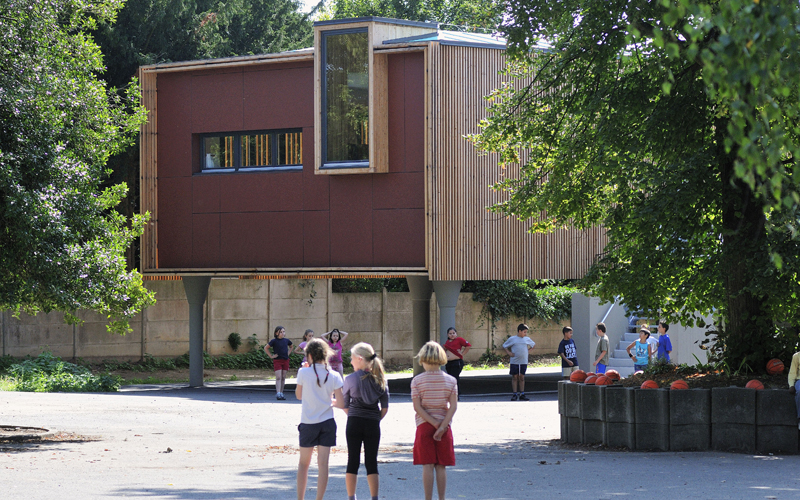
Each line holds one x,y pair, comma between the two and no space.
747,329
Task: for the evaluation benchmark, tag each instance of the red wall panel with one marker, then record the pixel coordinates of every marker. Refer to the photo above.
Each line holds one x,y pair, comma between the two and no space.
217,102
399,237
316,239
174,125
205,240
397,121
351,220
279,98
174,222
205,194
400,190
262,239
414,108
260,191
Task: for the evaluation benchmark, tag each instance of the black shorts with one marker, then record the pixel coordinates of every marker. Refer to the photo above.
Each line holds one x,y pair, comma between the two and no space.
518,369
321,434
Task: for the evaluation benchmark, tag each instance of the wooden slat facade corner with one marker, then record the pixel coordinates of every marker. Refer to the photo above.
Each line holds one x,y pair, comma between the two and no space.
148,162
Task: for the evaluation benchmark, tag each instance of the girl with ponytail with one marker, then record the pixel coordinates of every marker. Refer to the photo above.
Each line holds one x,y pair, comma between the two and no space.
316,384
366,401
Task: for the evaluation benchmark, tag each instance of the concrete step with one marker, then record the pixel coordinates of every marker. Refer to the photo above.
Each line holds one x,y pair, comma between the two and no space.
620,362
620,353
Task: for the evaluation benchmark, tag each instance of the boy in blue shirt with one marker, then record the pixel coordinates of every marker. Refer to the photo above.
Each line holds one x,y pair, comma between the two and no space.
568,353
664,344
519,346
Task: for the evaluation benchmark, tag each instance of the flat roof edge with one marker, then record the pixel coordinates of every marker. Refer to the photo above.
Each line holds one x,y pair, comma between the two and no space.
292,55
385,20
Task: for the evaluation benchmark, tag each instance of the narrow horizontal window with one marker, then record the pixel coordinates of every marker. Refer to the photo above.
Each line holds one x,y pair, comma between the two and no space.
279,150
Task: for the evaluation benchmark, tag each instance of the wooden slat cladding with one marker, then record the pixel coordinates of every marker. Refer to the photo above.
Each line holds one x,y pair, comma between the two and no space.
148,141
464,240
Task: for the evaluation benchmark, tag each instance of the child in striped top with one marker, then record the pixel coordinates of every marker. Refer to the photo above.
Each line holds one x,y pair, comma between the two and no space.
435,397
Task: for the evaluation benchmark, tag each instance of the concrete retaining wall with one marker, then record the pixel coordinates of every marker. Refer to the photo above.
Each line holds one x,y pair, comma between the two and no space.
721,419
251,307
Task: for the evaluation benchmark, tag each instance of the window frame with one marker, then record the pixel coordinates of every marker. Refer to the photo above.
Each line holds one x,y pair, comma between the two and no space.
336,165
273,134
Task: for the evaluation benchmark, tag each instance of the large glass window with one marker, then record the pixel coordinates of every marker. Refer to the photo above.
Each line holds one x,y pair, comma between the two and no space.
279,150
346,97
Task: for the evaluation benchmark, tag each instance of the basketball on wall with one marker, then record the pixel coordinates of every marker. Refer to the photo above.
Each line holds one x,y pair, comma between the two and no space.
603,380
679,384
755,384
774,366
649,384
577,376
613,375
591,379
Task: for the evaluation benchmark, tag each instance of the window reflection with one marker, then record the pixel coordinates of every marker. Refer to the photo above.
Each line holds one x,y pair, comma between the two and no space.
347,96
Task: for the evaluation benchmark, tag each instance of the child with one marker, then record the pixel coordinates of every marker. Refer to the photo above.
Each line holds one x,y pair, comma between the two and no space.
301,349
569,355
664,344
519,346
315,386
643,350
601,352
456,348
652,341
435,397
280,358
363,390
335,339
794,383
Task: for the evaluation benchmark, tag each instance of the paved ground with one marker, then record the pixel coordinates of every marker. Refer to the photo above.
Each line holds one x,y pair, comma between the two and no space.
232,441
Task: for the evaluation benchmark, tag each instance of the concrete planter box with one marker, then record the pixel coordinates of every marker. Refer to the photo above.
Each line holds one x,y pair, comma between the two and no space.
776,422
620,417
652,419
733,419
690,420
724,419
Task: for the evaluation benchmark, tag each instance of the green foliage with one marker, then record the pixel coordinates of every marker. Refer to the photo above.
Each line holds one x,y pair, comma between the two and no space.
369,285
156,31
48,373
235,340
673,125
490,358
523,299
455,14
62,244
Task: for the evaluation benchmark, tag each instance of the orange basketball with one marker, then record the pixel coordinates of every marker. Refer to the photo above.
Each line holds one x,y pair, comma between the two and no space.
612,374
755,384
577,376
603,380
591,380
638,373
679,384
774,366
649,384
591,374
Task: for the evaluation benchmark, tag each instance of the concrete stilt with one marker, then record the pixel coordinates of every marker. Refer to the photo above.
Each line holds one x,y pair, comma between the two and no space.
446,298
196,288
420,288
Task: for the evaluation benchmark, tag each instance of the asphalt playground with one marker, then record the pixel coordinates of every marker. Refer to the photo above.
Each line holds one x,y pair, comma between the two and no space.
233,440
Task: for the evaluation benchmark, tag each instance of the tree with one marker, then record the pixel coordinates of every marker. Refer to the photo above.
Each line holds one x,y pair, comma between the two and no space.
459,14
61,243
156,31
673,124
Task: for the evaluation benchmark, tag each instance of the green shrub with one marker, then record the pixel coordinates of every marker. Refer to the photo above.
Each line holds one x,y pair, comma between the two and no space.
235,340
48,373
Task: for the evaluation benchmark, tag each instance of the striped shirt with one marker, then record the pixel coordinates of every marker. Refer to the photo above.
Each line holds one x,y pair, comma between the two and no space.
433,390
